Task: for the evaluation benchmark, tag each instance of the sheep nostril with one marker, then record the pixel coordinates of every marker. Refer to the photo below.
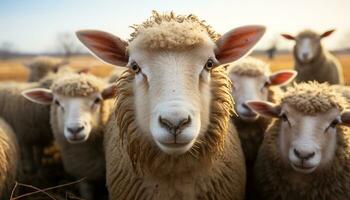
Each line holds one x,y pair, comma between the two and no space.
174,128
244,105
75,130
296,152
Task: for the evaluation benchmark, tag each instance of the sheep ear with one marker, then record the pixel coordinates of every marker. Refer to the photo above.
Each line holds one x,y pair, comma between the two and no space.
327,33
282,77
39,95
287,36
264,108
110,91
237,43
105,46
345,117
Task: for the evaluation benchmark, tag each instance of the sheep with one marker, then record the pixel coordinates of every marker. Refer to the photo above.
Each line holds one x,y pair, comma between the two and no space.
29,121
79,111
41,66
252,80
9,157
171,136
305,152
312,61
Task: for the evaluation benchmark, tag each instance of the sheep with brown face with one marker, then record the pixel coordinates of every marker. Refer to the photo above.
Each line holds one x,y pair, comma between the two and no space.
312,61
9,160
171,136
79,111
305,153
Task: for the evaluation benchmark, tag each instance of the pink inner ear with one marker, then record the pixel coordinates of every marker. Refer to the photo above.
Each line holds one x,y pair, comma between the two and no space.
40,96
237,42
288,37
109,48
327,33
281,78
264,108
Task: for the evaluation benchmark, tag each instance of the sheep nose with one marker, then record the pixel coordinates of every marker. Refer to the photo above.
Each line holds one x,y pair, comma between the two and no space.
305,55
75,130
173,125
303,155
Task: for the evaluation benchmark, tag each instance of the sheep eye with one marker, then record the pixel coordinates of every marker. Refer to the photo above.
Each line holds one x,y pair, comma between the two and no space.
334,123
97,100
57,103
266,84
135,67
284,117
210,64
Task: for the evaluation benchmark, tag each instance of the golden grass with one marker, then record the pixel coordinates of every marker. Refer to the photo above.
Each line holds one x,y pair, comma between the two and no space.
14,69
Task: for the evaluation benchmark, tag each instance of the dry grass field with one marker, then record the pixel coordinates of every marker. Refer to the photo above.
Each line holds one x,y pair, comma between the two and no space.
14,69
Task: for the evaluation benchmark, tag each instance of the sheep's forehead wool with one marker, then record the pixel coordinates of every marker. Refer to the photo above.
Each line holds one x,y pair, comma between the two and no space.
170,31
308,34
249,66
312,98
78,85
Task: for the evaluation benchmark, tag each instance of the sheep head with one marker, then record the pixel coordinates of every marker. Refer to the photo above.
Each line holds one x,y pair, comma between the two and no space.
251,80
172,58
307,44
76,104
309,118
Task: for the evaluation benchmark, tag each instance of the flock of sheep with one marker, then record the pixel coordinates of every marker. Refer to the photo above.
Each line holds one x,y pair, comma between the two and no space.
188,119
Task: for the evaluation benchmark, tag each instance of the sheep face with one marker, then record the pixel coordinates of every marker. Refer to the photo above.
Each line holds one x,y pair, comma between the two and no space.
306,142
307,44
306,48
77,116
172,95
172,75
248,88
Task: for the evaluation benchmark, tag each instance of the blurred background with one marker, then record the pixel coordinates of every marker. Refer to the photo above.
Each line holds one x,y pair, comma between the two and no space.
33,27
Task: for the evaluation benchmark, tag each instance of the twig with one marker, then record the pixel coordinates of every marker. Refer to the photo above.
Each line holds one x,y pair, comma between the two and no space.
43,190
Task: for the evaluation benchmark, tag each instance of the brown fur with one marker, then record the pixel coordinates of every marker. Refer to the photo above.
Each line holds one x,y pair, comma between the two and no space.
9,157
137,169
323,68
170,31
275,179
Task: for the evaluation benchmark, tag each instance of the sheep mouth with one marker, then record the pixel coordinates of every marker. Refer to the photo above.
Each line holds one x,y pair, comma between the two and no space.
77,138
303,168
174,144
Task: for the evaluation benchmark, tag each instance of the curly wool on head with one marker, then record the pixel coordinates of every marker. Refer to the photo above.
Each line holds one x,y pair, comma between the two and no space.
78,85
171,31
311,98
249,66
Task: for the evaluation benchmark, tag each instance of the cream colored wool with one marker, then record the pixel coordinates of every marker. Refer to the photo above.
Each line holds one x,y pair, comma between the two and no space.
249,66
9,160
137,169
312,98
170,31
81,85
275,179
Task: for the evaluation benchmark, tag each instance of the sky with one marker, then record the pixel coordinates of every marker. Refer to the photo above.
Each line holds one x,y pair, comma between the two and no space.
33,25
